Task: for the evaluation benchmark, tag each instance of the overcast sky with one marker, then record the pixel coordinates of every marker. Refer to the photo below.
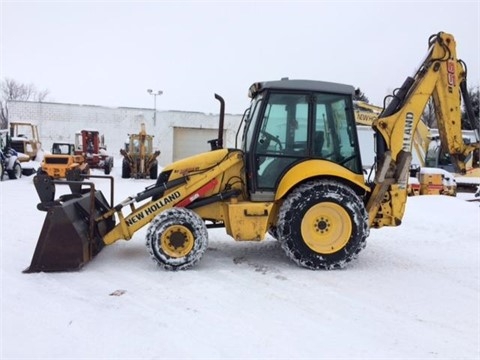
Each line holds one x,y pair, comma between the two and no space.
109,53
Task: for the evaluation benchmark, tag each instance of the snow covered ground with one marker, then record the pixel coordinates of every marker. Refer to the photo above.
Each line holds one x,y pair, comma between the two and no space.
413,293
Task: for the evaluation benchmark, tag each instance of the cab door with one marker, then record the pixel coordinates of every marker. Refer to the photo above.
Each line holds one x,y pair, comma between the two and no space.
281,140
289,128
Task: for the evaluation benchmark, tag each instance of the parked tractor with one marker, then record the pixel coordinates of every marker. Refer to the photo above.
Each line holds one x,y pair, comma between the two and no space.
62,160
91,145
139,159
25,140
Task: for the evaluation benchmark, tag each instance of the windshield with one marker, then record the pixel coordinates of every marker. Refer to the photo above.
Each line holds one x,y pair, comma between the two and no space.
250,121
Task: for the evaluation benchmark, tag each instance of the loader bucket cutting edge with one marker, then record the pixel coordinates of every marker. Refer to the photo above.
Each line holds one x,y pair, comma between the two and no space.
69,237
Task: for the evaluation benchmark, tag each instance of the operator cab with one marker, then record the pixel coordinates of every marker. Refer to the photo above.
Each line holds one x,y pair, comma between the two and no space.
293,121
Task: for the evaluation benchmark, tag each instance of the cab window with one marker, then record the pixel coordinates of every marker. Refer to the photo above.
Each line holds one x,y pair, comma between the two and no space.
296,127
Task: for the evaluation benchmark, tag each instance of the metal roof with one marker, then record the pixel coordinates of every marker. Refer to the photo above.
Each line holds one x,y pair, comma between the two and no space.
309,85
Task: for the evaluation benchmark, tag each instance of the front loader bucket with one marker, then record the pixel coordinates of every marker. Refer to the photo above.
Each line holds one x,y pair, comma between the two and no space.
70,236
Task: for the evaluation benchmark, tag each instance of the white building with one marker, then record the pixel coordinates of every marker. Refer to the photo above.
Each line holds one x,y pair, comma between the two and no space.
177,133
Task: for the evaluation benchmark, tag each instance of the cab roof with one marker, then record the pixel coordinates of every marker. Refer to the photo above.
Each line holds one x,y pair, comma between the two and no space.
308,85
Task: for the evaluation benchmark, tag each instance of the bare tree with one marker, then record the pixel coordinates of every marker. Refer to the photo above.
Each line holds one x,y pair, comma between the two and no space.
42,95
11,89
360,95
471,124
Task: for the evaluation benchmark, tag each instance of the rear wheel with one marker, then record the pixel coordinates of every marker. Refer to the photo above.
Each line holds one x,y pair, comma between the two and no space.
108,166
177,239
322,225
154,171
272,231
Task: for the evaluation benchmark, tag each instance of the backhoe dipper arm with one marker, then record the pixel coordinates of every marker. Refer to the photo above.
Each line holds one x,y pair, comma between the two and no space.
439,76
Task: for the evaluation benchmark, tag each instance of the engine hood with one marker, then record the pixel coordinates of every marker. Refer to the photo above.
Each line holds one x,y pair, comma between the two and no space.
195,163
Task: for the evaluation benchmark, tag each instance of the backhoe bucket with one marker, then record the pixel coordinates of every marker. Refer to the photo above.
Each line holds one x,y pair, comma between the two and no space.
70,236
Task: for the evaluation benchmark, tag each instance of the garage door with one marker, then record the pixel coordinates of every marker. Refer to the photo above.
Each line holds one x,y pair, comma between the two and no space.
192,141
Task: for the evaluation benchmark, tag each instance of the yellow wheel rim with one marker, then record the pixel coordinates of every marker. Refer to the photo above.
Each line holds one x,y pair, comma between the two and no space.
326,228
177,241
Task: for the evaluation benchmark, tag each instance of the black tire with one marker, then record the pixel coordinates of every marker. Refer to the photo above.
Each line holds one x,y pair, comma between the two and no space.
272,231
28,172
16,172
177,239
40,171
107,168
126,170
322,225
2,171
108,165
154,171
85,171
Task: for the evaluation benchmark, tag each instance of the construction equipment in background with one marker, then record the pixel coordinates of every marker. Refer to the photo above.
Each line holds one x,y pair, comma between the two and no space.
428,150
91,145
297,175
365,113
139,159
25,140
436,157
431,181
9,163
422,181
62,160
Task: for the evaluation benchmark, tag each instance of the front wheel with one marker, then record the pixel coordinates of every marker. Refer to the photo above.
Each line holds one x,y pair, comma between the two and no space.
28,171
108,166
322,225
40,171
177,239
154,171
126,170
15,172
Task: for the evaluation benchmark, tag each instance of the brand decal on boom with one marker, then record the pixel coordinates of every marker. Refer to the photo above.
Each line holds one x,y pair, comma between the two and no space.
408,132
366,117
157,205
451,73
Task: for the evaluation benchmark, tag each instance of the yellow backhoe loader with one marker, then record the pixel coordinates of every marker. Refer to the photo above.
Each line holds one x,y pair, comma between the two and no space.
298,175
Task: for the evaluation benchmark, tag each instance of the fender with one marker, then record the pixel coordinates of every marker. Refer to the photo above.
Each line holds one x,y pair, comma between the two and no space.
314,168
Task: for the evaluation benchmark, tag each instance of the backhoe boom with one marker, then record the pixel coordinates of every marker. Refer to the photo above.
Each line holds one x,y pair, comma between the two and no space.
440,76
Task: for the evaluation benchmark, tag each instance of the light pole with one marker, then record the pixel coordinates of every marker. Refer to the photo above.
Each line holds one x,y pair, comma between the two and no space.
154,93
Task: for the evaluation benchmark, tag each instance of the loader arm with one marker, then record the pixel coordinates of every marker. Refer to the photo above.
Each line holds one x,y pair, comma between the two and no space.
181,191
440,76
